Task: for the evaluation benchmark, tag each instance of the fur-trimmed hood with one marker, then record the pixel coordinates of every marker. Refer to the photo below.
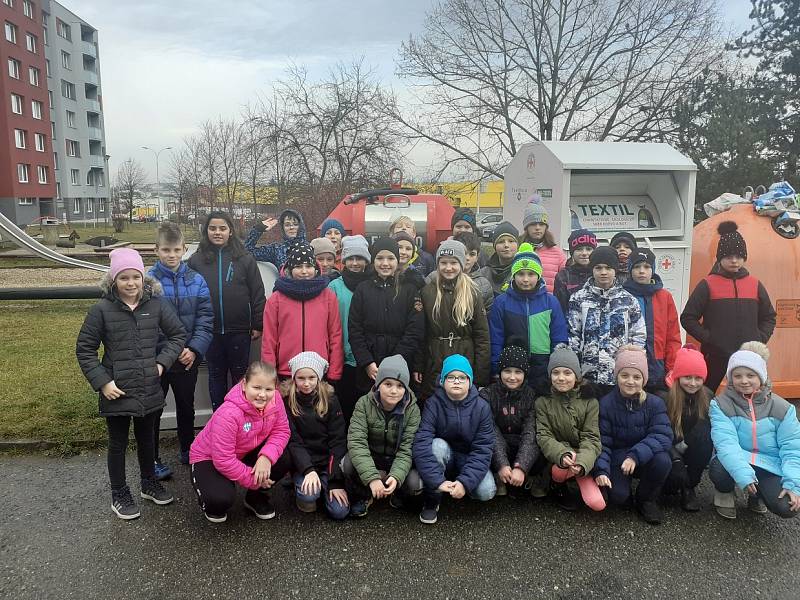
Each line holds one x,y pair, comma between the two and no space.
152,287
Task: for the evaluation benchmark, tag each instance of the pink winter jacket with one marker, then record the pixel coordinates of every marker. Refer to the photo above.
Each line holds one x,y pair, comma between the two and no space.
236,429
553,260
292,327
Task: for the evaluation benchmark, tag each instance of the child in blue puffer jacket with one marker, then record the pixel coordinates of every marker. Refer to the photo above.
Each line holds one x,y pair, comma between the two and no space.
453,446
756,436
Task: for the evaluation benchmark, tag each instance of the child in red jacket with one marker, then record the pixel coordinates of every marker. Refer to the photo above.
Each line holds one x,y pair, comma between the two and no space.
302,314
660,316
240,444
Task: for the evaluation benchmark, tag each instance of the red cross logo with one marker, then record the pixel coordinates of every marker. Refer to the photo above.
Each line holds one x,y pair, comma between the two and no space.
666,263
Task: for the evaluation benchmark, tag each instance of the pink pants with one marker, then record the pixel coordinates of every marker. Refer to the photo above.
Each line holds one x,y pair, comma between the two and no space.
590,492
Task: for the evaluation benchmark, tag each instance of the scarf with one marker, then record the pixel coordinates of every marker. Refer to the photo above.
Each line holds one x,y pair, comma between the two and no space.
352,279
301,289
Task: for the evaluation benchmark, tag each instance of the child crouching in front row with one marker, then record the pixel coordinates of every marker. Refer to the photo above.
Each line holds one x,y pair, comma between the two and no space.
379,441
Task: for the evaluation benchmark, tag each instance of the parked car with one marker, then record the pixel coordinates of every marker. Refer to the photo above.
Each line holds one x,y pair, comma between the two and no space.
486,224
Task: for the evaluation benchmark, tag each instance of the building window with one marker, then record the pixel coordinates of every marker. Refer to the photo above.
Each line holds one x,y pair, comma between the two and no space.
41,141
33,74
55,160
63,30
20,138
66,60
90,205
27,8
11,32
44,36
41,171
68,89
101,206
36,109
76,206
16,104
13,68
70,119
52,129
75,176
9,3
30,42
73,148
25,201
22,173
58,190
47,66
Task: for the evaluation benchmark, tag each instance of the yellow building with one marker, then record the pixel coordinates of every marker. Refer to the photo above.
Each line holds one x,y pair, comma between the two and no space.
480,195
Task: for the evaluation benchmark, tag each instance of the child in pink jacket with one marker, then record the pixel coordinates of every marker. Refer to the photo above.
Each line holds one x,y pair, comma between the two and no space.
536,228
240,444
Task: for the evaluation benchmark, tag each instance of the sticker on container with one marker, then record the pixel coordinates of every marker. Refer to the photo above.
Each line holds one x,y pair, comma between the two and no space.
788,313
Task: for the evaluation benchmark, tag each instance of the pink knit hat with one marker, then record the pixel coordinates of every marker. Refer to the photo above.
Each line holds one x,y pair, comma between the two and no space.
631,357
688,361
125,258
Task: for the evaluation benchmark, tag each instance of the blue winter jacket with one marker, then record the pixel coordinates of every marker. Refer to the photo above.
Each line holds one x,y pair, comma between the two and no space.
467,426
187,292
762,432
630,429
534,316
275,253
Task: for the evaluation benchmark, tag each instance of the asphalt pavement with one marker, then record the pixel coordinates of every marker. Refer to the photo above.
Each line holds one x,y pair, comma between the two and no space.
59,539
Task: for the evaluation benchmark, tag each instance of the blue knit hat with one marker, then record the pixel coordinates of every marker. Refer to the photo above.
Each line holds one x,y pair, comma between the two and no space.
456,362
331,224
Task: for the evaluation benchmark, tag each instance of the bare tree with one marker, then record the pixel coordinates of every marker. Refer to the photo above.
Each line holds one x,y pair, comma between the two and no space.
488,75
130,179
255,154
206,148
230,147
180,178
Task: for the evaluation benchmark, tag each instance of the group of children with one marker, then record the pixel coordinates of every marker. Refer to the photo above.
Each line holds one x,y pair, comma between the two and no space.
388,373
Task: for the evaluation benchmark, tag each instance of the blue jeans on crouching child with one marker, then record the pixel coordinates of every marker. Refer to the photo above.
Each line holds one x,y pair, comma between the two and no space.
452,462
335,510
227,352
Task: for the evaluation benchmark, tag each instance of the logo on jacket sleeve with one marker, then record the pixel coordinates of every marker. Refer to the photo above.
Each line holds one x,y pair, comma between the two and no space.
247,426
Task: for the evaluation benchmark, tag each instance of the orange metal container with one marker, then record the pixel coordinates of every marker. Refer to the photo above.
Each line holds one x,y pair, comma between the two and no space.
775,261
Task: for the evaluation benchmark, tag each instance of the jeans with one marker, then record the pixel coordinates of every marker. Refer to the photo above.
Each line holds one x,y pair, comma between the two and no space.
335,510
651,478
452,463
228,353
118,431
183,383
357,490
769,486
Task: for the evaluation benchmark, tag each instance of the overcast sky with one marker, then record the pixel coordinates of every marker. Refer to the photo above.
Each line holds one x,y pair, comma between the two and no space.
168,65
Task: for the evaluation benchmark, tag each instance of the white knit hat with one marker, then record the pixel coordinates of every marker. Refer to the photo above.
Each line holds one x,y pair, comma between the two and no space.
751,360
309,360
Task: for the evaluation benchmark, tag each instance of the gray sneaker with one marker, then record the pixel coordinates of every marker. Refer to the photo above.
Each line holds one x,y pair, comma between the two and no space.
123,504
725,504
153,490
429,514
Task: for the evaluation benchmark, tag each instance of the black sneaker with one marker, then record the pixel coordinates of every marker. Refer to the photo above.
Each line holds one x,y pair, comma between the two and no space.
689,501
153,490
260,505
360,508
429,514
216,518
123,504
396,501
183,457
566,498
651,512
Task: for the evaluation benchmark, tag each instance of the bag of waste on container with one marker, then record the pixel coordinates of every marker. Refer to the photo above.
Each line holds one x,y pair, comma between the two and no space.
779,199
723,203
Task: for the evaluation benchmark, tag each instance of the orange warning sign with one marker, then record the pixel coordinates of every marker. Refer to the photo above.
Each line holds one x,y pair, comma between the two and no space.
788,313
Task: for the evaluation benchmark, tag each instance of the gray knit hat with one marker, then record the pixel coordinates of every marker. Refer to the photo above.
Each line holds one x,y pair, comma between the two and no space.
323,245
309,360
564,356
393,367
452,249
534,213
355,245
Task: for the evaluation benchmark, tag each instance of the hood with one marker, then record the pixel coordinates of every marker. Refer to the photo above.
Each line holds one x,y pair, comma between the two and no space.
152,287
236,396
301,232
718,270
498,272
739,400
413,276
467,402
644,289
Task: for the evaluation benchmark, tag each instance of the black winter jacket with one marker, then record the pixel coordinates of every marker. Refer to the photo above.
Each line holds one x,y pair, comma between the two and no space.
237,290
514,425
130,355
568,281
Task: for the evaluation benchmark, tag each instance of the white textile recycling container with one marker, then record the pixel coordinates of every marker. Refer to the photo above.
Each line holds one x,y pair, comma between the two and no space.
644,188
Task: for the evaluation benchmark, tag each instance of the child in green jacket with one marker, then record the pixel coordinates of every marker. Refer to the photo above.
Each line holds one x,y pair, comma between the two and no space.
568,432
378,463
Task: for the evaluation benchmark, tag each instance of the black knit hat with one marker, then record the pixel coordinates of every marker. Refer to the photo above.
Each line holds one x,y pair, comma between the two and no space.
513,356
624,236
385,243
604,256
641,256
731,242
463,214
300,253
504,228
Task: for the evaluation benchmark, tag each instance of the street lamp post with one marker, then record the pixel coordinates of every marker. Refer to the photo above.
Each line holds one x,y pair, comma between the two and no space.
158,181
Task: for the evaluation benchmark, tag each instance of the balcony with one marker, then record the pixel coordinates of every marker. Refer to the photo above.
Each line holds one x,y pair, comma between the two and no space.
96,160
89,49
91,77
92,105
95,133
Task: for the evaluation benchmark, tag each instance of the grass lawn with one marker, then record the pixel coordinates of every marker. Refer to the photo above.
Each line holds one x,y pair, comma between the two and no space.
138,233
44,394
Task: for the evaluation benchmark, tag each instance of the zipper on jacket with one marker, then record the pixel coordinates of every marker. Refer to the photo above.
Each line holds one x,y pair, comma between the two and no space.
754,429
221,309
303,326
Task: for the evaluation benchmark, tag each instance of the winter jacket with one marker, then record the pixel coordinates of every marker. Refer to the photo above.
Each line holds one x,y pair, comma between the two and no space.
514,417
534,316
344,296
236,288
499,276
600,322
130,349
569,280
689,418
762,431
423,262
292,326
275,253
237,428
569,422
384,320
444,337
318,443
553,260
385,436
734,308
468,428
188,292
484,286
630,429
661,324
